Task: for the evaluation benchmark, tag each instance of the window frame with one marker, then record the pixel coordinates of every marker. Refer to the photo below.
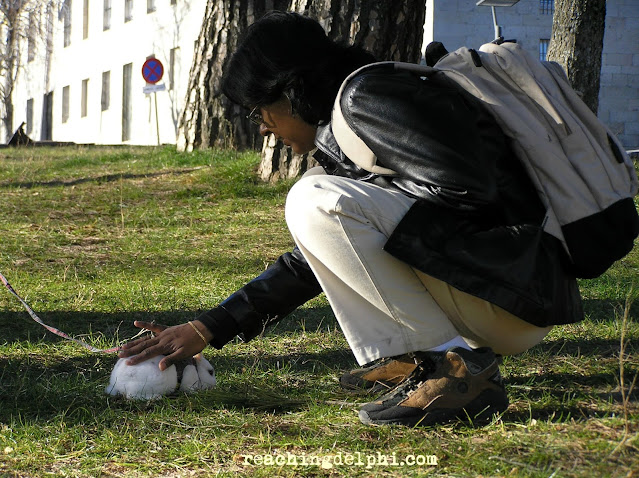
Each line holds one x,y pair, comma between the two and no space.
128,10
543,48
105,97
84,99
547,7
106,15
66,100
66,20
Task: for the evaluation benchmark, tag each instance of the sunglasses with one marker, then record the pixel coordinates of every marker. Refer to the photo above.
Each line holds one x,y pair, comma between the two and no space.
255,117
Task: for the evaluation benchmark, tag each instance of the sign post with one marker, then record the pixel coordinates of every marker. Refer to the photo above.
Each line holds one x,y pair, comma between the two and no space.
152,72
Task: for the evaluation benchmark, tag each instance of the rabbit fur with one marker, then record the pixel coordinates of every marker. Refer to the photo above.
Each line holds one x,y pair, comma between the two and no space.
145,381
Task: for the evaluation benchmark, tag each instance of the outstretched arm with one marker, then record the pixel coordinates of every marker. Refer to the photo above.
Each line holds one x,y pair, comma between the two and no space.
177,342
280,289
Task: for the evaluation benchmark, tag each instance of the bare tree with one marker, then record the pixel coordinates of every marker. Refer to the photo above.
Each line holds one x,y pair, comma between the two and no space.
391,30
577,43
21,25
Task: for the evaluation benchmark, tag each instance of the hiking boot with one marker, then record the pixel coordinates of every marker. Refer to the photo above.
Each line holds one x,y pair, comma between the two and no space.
382,375
456,384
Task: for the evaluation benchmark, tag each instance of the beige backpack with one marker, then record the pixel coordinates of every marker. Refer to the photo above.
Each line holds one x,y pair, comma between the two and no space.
581,172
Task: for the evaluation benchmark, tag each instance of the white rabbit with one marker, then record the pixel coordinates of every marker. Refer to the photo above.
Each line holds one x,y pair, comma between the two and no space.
145,381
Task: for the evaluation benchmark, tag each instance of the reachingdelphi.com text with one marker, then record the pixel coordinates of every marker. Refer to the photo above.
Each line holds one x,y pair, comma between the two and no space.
366,460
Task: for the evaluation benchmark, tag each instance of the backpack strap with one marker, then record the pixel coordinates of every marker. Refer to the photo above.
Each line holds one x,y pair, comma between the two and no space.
351,144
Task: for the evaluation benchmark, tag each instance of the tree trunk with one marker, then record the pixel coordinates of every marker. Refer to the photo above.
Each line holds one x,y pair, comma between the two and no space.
390,29
7,103
209,119
577,43
10,64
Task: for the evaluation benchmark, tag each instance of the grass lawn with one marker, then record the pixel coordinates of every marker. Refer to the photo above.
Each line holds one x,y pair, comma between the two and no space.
96,238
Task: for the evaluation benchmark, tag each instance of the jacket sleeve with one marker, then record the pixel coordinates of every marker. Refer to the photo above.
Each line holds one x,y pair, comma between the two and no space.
279,290
441,143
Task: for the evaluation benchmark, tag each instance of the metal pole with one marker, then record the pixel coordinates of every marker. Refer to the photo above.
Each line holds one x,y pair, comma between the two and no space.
497,27
157,122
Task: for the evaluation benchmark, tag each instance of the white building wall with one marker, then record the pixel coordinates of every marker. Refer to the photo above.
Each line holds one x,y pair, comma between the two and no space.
458,23
619,91
453,22
146,34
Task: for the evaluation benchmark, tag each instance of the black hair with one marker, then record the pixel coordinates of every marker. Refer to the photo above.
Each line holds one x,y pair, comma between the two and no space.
285,53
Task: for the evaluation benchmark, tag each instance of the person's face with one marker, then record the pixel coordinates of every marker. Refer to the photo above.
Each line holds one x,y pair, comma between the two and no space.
278,118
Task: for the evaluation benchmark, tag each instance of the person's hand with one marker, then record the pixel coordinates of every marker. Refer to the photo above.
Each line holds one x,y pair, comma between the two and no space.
177,343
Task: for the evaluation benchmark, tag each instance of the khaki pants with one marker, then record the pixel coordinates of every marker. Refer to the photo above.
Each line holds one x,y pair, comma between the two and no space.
384,306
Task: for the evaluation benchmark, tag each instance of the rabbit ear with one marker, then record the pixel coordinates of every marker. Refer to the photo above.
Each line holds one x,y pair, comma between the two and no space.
197,376
206,373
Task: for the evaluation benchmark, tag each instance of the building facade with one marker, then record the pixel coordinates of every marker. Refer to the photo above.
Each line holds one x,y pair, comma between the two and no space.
83,82
458,23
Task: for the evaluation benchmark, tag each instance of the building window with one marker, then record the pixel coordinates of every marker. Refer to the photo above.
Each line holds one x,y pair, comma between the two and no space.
126,101
50,28
106,90
173,2
106,16
85,20
173,60
85,97
150,6
66,12
46,130
543,48
546,7
65,104
31,37
128,10
29,115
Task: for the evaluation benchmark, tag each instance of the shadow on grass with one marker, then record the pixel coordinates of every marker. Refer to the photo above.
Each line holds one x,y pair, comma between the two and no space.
559,385
310,319
580,347
39,381
607,310
97,179
564,403
39,388
543,391
40,385
18,326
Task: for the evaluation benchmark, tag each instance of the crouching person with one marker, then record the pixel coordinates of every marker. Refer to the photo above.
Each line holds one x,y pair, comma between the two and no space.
420,226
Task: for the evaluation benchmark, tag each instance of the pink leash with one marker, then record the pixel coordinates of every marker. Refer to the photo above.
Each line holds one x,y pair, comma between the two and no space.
53,329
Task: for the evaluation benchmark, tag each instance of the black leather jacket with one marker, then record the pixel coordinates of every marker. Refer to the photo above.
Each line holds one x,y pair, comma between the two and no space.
476,223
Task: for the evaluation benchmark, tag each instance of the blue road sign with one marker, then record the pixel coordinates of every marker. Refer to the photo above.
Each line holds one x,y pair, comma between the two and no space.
152,70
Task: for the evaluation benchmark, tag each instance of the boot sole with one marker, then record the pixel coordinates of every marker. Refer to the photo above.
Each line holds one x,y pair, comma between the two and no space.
472,414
